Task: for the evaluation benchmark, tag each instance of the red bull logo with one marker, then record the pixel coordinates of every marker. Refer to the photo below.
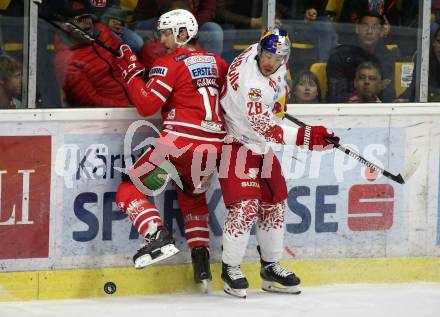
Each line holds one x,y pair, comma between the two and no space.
277,45
254,94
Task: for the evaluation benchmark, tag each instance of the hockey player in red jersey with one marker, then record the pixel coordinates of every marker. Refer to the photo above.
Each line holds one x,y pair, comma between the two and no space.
256,82
185,86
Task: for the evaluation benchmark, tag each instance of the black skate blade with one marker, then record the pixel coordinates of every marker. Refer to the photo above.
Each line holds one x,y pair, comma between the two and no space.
240,293
156,256
274,287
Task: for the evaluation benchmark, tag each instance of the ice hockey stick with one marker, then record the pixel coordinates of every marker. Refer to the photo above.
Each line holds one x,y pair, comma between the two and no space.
405,174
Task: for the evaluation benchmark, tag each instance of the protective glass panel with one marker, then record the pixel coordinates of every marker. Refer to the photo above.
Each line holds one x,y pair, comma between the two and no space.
12,55
351,51
73,70
434,54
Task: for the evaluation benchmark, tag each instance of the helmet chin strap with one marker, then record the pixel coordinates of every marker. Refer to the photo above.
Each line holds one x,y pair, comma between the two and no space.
180,44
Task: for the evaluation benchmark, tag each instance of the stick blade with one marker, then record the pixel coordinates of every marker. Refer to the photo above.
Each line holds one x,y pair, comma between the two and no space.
411,166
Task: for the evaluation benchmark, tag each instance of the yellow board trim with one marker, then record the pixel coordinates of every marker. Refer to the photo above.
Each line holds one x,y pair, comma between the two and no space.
4,4
12,47
241,47
303,45
66,284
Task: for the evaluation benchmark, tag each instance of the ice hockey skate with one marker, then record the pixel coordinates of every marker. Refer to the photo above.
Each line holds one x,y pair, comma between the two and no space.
277,279
158,246
201,267
236,283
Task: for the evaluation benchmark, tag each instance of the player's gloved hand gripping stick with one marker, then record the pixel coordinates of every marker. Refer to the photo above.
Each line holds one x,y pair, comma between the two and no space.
407,171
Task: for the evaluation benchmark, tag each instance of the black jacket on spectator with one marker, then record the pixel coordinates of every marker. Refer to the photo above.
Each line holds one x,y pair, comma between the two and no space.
341,70
238,13
295,9
433,79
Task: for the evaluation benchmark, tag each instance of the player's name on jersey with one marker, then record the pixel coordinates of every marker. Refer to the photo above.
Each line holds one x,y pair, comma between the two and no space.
203,82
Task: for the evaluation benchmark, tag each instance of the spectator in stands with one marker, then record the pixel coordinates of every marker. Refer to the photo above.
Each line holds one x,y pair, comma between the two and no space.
315,30
11,26
367,83
433,72
434,68
296,9
306,88
343,61
111,14
82,68
236,16
409,11
10,83
241,14
210,33
435,16
311,14
114,18
353,10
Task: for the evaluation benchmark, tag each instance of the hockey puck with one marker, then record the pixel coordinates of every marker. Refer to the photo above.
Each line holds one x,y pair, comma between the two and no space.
109,287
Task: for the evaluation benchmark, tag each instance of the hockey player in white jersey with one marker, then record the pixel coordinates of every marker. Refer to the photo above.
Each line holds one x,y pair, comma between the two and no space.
256,83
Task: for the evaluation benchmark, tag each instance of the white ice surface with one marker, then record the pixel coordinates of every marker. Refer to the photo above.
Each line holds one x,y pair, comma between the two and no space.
387,300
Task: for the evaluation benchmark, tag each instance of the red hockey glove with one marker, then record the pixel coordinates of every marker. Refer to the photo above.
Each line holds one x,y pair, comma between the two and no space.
128,64
313,138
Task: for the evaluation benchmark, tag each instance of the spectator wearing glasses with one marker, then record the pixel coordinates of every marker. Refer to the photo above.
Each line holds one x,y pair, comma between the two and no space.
344,59
83,69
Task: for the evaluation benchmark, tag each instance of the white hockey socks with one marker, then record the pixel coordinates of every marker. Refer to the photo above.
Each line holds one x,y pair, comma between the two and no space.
241,217
270,231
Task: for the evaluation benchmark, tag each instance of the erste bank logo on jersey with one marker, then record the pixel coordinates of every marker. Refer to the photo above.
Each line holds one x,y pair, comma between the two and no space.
25,174
203,70
201,66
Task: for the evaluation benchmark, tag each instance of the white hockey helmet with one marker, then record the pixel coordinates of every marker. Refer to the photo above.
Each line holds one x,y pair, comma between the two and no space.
177,19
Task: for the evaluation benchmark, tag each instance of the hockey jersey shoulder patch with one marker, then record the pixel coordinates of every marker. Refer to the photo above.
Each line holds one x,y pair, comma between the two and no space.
180,57
158,71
